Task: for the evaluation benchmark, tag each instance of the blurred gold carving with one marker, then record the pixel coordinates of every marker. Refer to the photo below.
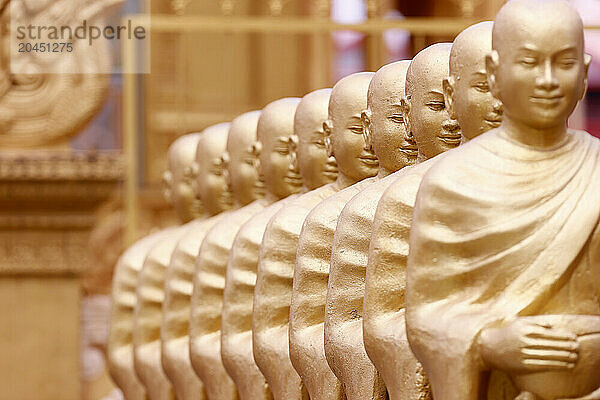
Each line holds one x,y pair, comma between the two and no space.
47,110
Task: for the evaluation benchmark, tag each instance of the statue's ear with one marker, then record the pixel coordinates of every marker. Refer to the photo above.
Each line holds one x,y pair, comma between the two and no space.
167,186
448,87
365,118
256,150
327,128
293,148
405,110
587,60
491,68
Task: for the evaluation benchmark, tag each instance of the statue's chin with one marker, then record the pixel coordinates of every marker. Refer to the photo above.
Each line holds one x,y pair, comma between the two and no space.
581,380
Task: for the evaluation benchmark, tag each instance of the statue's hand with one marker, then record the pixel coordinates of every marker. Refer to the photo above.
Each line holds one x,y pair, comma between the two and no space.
523,346
595,395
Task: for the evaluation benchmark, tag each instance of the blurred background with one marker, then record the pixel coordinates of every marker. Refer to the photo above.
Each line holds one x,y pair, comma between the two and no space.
81,156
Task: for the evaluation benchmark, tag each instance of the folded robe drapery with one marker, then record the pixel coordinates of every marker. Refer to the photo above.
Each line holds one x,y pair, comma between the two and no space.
498,228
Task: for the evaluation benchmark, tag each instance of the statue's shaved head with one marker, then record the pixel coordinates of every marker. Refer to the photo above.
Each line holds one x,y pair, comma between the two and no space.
519,21
428,67
470,48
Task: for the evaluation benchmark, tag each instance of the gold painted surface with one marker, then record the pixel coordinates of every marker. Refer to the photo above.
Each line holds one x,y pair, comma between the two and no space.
120,343
147,316
308,159
468,100
177,191
282,182
243,183
273,290
383,123
356,162
271,157
518,292
211,187
428,123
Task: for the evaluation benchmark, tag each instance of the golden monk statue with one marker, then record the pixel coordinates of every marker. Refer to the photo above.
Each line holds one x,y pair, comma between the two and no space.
273,292
236,324
502,276
385,133
469,101
178,192
275,126
356,161
151,280
212,190
428,123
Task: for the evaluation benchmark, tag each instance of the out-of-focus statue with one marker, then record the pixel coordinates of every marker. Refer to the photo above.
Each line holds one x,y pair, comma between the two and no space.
273,291
178,192
151,281
215,192
385,133
503,273
211,188
356,162
47,109
236,325
468,100
271,156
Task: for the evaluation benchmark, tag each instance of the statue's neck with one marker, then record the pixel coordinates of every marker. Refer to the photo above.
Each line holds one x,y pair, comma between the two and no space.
531,136
383,172
421,157
343,181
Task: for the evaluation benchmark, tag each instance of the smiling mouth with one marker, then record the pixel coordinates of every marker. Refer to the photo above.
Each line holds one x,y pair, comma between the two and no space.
294,179
546,100
494,123
452,139
370,160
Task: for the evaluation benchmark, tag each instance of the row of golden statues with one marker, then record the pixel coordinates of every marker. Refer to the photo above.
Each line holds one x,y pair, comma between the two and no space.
426,231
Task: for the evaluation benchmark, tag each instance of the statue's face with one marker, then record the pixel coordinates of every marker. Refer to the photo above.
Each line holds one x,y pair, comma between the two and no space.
242,174
308,153
425,112
178,183
467,92
538,68
344,132
275,128
383,121
211,180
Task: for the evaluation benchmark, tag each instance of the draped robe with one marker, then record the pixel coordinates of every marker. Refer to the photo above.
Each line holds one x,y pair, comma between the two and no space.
236,320
500,230
344,346
207,302
174,330
120,338
307,312
148,316
273,294
385,284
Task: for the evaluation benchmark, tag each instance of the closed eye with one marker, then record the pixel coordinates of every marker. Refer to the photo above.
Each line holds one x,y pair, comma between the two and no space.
356,129
397,118
482,87
436,105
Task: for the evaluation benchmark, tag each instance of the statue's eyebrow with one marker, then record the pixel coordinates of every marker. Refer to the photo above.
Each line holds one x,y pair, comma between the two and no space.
566,49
